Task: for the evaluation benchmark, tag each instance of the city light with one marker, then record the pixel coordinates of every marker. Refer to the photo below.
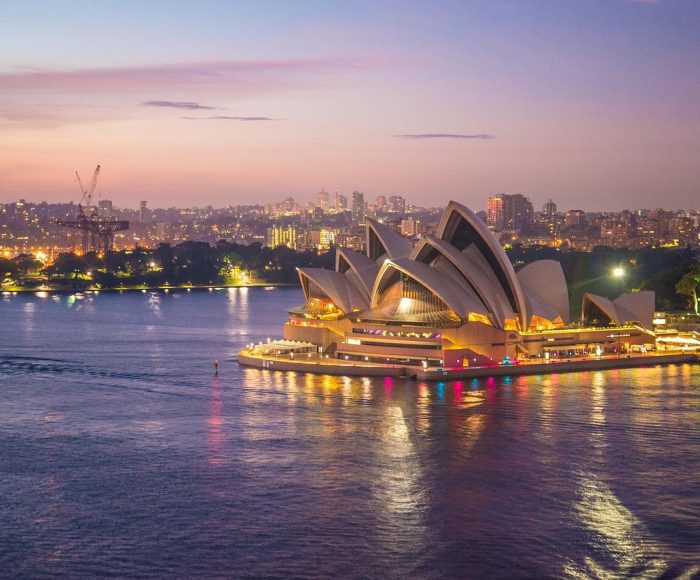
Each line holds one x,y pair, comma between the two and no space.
618,272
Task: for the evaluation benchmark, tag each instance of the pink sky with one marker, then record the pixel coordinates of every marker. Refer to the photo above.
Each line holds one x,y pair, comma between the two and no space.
208,104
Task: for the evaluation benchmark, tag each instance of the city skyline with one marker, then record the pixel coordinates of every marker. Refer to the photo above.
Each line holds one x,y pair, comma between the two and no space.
48,229
592,104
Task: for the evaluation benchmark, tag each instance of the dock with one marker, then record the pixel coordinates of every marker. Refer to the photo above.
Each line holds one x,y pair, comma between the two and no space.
329,366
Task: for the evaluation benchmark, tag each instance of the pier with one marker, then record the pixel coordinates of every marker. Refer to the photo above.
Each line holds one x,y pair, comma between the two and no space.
313,363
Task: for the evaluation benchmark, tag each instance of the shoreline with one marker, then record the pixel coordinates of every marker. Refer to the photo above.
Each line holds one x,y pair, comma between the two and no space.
553,368
93,289
341,368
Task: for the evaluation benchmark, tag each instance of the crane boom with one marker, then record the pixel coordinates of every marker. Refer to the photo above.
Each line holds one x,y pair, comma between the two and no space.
82,193
93,184
86,197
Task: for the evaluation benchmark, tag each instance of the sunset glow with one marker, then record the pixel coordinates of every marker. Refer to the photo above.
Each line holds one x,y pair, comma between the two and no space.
594,103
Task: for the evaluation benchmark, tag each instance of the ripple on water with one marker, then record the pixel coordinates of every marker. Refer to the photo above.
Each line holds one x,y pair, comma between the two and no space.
121,454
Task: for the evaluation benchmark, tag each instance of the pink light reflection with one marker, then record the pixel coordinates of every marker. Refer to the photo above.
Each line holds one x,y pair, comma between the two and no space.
215,435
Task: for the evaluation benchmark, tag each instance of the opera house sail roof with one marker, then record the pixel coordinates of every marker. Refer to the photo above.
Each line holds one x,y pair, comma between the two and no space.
459,278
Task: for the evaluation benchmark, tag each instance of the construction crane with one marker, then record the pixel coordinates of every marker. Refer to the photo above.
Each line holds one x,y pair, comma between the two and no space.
87,194
97,231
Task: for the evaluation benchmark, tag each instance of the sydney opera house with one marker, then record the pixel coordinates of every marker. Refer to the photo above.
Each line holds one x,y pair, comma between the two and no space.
452,300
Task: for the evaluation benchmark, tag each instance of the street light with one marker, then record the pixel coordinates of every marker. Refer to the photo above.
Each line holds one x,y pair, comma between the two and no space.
618,273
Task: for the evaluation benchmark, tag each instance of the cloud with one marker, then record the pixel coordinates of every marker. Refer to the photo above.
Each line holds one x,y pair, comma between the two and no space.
245,75
230,118
444,136
31,97
189,105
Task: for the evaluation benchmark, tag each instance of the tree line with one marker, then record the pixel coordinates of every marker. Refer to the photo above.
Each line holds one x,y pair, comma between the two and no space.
188,263
672,273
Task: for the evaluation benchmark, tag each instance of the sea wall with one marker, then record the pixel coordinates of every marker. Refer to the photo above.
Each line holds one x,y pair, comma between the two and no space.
556,367
342,368
327,367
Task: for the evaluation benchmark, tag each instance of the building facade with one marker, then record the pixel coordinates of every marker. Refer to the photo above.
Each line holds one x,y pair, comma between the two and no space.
454,300
359,207
506,212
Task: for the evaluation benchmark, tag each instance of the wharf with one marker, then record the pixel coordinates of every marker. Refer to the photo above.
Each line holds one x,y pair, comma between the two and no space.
321,366
571,366
317,365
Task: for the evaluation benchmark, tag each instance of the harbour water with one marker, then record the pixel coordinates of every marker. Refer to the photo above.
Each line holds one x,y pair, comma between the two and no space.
122,454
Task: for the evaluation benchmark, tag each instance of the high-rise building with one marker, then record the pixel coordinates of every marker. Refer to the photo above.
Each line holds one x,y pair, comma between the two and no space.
380,205
322,200
341,201
615,231
144,212
282,236
681,229
495,212
550,218
322,239
397,204
409,227
359,208
509,212
574,217
664,216
352,238
646,231
520,216
104,208
549,209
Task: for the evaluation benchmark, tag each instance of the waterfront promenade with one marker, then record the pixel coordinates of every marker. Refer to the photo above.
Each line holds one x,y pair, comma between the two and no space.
313,363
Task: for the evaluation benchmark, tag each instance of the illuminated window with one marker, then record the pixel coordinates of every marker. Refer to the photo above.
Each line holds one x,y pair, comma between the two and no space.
477,317
408,300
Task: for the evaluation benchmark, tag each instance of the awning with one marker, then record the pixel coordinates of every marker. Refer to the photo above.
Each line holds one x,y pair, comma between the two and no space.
287,346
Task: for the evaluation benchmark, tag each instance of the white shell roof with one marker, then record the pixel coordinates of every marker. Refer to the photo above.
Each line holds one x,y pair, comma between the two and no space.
491,250
444,287
336,286
539,306
472,265
543,281
394,245
605,305
365,270
636,307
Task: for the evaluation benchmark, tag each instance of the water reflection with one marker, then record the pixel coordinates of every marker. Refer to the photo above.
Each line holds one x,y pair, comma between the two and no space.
618,544
597,421
29,309
154,304
399,488
215,434
237,307
468,432
423,409
51,518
